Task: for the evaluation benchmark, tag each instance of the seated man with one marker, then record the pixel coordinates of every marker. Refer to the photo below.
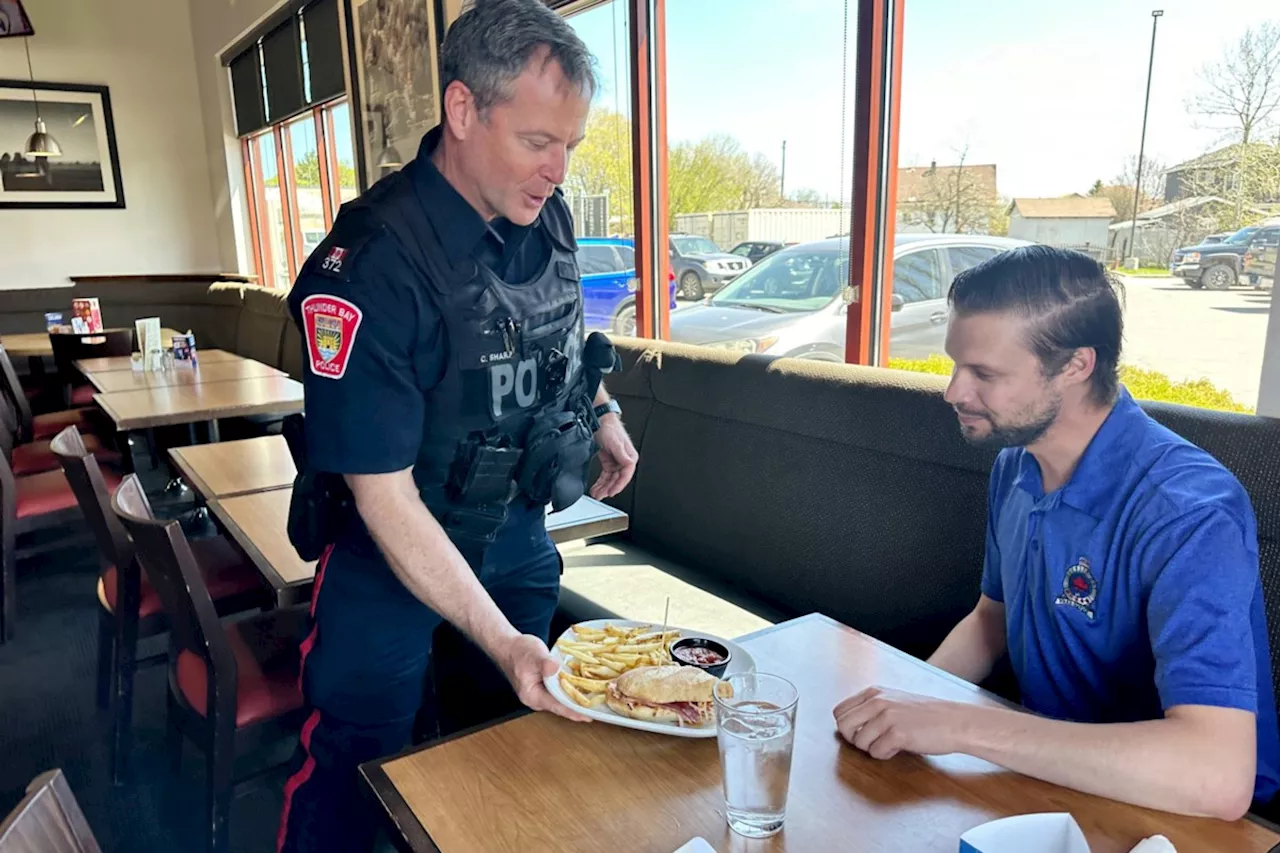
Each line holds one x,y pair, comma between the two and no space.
1121,570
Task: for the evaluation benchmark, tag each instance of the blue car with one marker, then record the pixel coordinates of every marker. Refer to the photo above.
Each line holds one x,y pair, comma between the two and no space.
608,268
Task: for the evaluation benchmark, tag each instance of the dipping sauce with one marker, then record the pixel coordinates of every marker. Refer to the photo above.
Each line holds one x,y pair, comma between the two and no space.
698,655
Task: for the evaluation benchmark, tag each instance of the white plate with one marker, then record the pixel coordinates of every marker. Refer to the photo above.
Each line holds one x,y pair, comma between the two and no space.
740,660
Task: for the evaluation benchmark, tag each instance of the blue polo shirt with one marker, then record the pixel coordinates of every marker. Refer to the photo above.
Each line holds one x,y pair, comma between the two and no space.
1134,587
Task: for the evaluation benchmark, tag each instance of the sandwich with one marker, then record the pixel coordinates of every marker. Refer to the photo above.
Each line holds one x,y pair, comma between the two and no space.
664,694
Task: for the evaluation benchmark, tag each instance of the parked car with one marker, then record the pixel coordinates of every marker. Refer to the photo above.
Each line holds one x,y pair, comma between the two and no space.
608,269
756,250
1260,259
790,303
1215,266
700,267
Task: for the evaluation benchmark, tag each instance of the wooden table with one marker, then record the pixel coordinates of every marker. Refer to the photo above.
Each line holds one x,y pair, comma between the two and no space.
230,468
256,521
37,343
89,366
180,374
206,401
540,783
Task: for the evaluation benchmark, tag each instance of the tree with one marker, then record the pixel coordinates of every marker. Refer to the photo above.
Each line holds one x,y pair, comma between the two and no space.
1097,188
601,164
306,173
1153,181
760,183
1242,87
952,199
805,197
705,176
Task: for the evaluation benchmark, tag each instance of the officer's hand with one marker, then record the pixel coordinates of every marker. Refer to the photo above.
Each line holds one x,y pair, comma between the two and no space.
618,458
526,662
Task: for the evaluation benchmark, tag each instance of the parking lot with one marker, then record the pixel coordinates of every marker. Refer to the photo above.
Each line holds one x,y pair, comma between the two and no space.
1192,334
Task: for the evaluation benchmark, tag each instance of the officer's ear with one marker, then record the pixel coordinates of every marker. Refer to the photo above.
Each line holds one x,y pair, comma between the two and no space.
460,114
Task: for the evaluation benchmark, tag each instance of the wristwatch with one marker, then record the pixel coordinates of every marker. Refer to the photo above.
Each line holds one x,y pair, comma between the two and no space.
605,408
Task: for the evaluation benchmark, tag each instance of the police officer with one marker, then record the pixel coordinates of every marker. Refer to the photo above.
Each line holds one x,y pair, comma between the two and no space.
447,383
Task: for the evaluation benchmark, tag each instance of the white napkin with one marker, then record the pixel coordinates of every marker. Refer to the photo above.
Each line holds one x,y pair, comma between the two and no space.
700,845
1154,844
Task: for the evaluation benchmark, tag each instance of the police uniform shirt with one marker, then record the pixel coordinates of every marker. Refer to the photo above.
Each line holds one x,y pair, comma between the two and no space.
378,342
1134,587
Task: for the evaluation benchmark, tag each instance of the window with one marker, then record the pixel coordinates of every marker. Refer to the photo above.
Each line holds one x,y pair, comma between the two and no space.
967,257
695,246
628,256
1009,168
595,259
794,282
743,249
296,135
917,277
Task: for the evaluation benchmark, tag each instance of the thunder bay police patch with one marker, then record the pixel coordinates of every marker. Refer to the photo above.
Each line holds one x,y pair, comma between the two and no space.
330,325
1079,588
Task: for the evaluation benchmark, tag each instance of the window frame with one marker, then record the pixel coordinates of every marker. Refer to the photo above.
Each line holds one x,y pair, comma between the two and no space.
330,188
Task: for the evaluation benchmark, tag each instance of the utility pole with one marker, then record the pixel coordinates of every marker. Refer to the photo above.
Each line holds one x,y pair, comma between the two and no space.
782,185
1142,142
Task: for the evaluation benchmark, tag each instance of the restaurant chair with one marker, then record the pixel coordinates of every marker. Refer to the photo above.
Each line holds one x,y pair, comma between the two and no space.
32,427
36,457
30,504
129,606
70,348
47,820
229,684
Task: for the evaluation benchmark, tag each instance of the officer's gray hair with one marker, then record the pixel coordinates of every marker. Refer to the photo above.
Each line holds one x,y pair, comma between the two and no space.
492,42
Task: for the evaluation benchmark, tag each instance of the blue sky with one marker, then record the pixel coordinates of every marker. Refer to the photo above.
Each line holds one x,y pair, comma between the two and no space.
1050,92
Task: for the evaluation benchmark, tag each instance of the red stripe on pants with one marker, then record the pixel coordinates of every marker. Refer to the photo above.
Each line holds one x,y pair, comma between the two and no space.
298,779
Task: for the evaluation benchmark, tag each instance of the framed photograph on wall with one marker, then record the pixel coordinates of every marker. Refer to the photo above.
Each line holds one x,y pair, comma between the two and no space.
86,170
393,52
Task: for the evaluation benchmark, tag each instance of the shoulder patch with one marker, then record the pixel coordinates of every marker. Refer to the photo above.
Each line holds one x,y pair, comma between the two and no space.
336,256
329,324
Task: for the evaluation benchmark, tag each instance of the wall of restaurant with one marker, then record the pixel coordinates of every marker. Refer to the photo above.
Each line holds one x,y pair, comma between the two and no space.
142,51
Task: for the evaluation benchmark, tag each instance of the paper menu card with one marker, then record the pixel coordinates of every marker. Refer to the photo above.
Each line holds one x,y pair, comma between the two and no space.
149,343
86,316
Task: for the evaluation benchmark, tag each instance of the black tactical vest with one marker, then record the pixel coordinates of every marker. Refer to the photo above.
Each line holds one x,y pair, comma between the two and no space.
512,415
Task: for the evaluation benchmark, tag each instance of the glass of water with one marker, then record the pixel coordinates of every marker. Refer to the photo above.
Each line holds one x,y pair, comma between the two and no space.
756,728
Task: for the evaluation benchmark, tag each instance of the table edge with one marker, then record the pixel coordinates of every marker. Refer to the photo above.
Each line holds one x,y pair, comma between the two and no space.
273,407
189,474
591,530
278,584
269,373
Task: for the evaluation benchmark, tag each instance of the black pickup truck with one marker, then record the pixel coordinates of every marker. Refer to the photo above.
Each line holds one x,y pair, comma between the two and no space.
1215,266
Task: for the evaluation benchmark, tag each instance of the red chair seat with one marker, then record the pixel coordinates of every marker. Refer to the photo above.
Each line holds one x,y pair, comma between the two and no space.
50,424
267,664
30,393
225,574
82,395
41,494
36,456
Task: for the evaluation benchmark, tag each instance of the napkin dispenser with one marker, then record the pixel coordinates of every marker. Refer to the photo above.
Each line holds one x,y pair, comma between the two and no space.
1028,833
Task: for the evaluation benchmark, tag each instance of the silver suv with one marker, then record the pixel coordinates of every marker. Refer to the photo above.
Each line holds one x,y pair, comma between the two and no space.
790,303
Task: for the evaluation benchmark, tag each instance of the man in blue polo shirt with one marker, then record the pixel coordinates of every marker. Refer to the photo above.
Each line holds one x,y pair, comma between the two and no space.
1121,572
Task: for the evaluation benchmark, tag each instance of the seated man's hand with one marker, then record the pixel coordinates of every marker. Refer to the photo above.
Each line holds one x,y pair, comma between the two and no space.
883,722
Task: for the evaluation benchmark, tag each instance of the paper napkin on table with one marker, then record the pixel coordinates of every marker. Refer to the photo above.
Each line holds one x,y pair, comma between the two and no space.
1154,844
700,845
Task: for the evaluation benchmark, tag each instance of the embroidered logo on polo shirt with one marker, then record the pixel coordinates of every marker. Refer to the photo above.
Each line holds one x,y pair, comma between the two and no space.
1079,588
331,325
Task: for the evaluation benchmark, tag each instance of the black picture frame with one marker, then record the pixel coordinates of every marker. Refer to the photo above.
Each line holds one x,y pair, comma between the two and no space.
85,187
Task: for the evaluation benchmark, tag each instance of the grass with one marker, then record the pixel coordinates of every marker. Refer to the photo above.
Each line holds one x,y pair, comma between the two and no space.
1152,272
1142,384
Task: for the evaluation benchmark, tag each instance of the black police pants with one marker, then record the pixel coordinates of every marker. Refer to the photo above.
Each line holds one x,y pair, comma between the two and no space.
363,675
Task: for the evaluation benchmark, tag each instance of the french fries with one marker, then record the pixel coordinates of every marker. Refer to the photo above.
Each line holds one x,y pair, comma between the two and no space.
596,656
